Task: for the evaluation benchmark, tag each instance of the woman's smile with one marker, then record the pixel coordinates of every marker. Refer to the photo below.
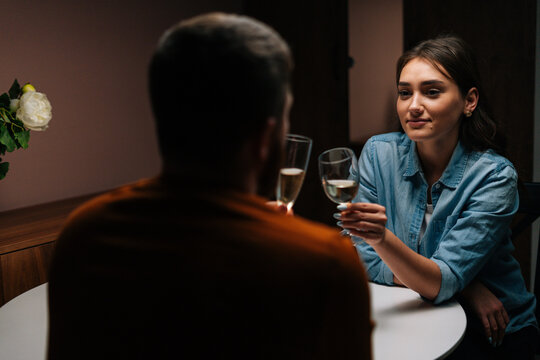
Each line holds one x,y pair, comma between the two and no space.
417,123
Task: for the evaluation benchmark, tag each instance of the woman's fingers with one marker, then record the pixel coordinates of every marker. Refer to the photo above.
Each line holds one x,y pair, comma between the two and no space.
362,226
364,220
364,223
505,316
489,309
369,217
501,327
495,333
494,327
487,328
364,207
371,213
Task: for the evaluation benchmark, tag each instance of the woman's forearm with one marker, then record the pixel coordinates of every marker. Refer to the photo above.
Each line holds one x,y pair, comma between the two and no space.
368,221
410,268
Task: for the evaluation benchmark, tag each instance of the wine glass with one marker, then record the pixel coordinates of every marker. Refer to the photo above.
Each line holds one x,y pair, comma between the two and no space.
335,168
291,175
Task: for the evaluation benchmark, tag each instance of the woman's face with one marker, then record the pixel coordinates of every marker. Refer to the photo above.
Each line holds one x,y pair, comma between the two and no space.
429,104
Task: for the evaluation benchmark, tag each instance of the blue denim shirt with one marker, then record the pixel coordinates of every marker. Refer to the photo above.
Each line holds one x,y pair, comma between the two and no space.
468,236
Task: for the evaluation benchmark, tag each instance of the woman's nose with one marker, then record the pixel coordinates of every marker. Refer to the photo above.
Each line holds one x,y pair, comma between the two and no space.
416,108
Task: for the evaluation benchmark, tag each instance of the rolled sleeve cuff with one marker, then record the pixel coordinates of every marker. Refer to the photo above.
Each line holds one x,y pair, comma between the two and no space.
377,270
387,275
449,285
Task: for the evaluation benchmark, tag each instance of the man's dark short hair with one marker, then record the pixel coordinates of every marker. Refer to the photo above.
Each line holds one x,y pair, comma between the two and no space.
214,81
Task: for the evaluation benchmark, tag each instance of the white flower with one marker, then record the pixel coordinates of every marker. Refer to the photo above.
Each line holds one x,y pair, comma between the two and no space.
35,110
13,105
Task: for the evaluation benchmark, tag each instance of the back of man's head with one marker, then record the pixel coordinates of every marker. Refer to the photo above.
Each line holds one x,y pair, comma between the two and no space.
215,79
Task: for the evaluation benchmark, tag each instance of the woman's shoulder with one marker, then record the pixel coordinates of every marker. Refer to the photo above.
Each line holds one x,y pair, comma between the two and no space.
489,159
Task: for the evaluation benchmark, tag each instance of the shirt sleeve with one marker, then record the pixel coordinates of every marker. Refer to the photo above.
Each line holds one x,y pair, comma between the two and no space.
471,237
377,270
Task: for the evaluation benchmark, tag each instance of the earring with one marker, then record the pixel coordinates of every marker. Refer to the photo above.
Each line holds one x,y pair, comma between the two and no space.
468,113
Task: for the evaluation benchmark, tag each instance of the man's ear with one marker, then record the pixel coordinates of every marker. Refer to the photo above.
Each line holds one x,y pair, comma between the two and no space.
263,142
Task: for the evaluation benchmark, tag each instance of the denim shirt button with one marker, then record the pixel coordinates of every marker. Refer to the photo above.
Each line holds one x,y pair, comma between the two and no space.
437,186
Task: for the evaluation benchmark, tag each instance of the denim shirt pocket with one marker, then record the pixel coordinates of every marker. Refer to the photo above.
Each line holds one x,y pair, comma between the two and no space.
439,228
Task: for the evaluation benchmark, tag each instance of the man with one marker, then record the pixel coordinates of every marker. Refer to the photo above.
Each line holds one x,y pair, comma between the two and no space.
194,264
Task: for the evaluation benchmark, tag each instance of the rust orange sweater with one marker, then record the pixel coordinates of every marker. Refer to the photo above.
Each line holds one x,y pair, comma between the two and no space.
150,271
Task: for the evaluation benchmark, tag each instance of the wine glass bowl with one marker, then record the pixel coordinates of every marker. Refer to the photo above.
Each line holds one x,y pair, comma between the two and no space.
337,168
291,175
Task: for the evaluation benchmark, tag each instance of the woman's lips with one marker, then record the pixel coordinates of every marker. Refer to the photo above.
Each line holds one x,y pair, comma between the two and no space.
417,123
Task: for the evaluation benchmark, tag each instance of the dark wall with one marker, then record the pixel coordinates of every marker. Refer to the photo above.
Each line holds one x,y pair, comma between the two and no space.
317,32
90,58
503,35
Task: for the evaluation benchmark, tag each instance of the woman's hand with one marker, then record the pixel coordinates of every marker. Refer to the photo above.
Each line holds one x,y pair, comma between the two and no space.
411,269
365,220
489,309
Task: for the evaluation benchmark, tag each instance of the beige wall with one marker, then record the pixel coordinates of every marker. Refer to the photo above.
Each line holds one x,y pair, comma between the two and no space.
375,43
90,58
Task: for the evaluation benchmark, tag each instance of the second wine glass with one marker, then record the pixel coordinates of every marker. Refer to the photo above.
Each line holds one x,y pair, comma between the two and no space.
336,168
291,175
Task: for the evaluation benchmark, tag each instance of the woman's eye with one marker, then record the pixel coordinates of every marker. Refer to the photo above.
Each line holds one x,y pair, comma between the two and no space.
433,92
403,93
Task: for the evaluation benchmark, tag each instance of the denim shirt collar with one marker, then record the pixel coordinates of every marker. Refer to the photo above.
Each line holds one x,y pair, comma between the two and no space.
453,173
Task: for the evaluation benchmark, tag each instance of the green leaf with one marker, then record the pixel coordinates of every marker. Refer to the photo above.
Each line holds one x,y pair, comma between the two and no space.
14,90
4,167
2,149
6,116
4,100
6,139
22,138
17,125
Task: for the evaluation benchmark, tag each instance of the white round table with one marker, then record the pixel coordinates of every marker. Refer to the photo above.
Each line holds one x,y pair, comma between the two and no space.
24,323
407,327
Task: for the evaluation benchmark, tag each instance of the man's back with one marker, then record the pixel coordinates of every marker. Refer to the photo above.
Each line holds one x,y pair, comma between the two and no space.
151,271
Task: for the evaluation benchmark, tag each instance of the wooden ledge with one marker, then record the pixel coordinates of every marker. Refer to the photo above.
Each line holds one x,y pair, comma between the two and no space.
35,225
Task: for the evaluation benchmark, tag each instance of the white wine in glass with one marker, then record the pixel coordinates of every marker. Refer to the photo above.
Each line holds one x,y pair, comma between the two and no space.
340,191
291,175
336,168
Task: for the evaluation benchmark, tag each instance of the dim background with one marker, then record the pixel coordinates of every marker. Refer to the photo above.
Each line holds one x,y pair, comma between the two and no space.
90,58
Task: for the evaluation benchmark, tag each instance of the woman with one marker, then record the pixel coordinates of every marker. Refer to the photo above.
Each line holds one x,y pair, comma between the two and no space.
435,202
